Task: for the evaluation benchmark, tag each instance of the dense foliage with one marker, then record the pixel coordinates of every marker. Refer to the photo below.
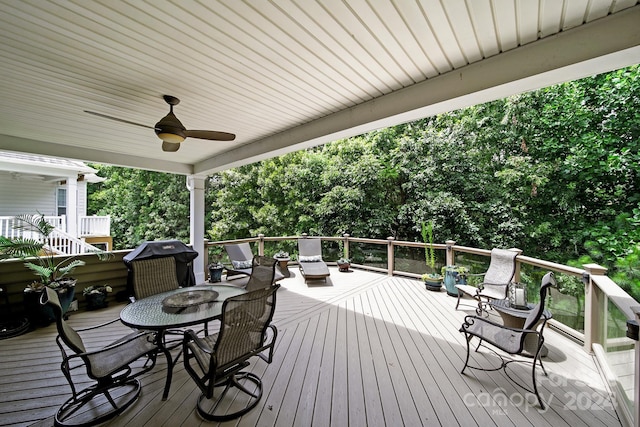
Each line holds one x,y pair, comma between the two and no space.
555,172
143,205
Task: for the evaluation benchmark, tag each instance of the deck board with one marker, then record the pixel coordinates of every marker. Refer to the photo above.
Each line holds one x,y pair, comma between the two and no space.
363,349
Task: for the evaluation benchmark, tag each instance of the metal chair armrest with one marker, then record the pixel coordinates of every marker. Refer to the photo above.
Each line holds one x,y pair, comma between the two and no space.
88,328
190,335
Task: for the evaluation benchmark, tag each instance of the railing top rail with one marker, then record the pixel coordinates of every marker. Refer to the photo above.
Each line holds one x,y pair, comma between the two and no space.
227,242
551,265
470,250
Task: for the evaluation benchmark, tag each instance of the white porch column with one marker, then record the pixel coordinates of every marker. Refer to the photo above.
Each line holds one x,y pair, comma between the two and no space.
72,205
195,184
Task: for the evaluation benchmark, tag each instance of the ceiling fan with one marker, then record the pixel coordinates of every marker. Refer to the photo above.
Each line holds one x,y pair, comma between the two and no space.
171,131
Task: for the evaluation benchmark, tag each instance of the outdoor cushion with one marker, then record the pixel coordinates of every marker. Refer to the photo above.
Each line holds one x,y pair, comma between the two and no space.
312,258
239,265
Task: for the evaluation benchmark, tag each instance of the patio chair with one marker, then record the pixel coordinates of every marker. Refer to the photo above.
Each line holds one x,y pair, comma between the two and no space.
219,360
153,275
495,284
114,369
312,267
263,273
511,340
241,258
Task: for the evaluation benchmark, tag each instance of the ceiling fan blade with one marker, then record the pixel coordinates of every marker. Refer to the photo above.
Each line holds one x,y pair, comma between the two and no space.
169,146
210,134
119,120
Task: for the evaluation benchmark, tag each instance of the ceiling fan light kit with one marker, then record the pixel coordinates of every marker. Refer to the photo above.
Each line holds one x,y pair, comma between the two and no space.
171,131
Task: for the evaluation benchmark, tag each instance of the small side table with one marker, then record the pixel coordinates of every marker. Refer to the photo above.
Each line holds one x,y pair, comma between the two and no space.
283,265
515,318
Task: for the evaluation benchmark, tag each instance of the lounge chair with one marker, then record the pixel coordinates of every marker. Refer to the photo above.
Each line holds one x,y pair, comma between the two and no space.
312,267
241,258
495,284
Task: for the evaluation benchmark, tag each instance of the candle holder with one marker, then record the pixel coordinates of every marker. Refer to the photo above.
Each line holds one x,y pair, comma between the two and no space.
518,296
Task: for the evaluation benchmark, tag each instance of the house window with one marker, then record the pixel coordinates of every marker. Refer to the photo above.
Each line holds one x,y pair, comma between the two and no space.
61,202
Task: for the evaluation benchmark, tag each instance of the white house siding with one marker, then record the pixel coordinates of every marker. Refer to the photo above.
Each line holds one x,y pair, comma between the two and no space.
22,195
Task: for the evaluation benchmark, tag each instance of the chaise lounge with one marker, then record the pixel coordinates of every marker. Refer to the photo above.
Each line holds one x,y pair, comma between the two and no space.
312,267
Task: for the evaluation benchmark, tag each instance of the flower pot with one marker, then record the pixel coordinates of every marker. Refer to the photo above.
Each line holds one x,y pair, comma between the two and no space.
40,315
344,266
96,300
215,274
454,275
433,283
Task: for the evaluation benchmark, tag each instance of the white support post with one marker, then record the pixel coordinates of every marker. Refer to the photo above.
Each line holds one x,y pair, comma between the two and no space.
72,205
195,184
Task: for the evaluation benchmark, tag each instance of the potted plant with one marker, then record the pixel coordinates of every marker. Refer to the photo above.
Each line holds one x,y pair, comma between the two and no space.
281,254
96,296
344,263
454,275
432,280
52,271
215,267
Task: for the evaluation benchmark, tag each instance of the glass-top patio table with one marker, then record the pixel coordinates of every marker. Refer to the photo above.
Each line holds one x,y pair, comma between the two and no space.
177,309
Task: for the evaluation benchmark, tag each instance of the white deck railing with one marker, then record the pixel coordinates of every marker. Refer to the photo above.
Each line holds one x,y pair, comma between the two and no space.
63,243
60,242
8,223
94,226
87,225
607,309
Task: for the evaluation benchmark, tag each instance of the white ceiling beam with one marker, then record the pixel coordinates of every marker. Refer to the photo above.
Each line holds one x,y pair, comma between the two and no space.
24,145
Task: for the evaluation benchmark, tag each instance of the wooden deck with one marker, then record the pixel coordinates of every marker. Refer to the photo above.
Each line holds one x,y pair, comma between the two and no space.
362,350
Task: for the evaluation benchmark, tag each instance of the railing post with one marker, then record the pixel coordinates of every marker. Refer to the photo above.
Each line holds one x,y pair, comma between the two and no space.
345,249
261,244
450,257
636,370
593,306
391,256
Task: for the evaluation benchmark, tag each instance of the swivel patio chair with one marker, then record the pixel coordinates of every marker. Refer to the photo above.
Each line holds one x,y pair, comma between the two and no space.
312,267
511,340
218,361
114,369
495,284
154,275
263,273
241,258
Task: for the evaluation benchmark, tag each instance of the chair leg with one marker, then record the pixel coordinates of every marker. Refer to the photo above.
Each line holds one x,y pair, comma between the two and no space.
208,408
466,362
459,296
97,404
533,377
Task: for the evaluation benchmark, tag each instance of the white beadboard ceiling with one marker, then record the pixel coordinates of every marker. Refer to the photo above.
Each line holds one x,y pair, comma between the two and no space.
281,74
